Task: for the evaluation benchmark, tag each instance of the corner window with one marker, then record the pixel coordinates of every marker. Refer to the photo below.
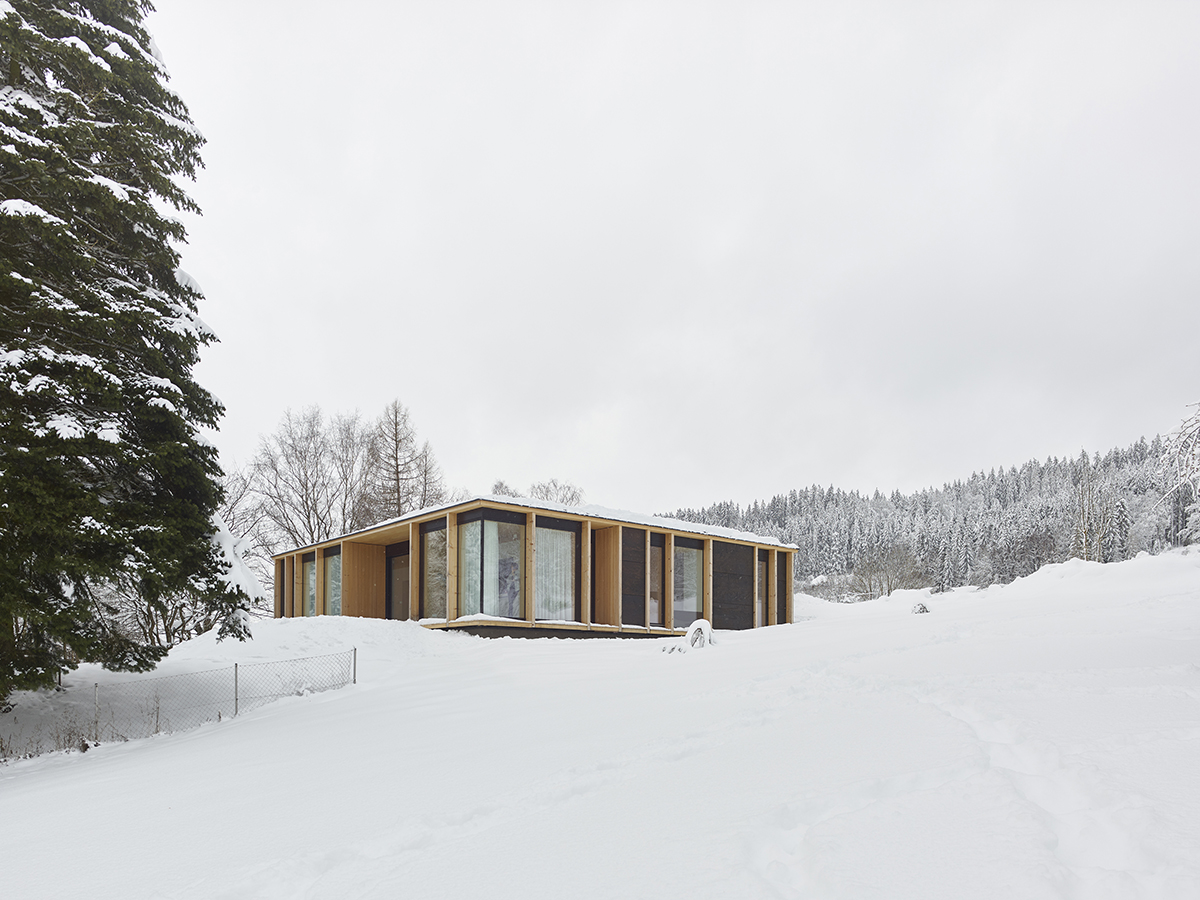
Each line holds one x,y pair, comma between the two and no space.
433,569
491,563
397,584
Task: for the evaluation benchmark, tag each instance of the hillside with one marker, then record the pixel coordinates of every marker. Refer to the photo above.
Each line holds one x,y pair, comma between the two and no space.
1031,740
991,528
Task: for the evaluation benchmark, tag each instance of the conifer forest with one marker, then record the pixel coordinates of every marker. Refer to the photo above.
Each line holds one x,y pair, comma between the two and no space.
993,527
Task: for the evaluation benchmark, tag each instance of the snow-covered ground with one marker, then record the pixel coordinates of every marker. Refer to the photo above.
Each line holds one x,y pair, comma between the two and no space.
1035,740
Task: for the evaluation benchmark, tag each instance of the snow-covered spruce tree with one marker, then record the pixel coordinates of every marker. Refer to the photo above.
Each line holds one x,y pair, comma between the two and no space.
103,475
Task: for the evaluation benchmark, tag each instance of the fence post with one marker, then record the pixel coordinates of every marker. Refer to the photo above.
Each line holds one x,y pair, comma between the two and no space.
235,692
354,674
96,698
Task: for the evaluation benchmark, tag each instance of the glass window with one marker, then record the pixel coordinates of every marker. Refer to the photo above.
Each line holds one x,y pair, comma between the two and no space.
398,580
308,575
658,549
688,601
333,581
433,570
557,560
491,564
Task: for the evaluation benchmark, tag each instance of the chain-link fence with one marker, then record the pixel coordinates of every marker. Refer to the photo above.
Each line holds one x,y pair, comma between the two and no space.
136,709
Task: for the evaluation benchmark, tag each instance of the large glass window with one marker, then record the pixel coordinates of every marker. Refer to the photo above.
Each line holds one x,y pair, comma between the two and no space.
688,600
433,570
308,582
491,563
398,568
658,549
557,583
333,581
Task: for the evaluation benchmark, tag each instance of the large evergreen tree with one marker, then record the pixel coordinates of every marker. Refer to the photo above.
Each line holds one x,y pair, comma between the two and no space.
103,474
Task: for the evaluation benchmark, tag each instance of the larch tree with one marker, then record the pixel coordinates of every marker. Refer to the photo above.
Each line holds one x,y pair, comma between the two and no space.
104,476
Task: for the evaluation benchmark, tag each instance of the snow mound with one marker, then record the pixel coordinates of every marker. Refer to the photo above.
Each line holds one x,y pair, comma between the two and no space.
1033,740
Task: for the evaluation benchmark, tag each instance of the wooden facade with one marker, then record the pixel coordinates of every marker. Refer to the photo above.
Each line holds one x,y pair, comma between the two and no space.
476,566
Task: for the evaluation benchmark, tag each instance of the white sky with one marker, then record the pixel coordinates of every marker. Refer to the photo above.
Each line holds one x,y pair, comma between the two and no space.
684,252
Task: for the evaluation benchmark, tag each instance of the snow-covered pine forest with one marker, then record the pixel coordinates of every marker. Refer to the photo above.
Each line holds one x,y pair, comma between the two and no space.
992,528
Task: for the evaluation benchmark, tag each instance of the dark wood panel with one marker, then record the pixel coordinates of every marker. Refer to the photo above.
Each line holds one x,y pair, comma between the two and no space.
733,586
782,565
633,576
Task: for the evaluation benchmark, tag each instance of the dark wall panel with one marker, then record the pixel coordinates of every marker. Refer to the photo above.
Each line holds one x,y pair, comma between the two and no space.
781,569
633,576
733,586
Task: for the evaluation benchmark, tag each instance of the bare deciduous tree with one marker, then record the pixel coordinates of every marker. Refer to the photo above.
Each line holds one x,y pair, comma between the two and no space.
885,570
315,477
1095,518
551,491
1183,454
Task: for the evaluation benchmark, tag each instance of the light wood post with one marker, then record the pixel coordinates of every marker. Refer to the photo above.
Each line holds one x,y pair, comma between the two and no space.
646,584
530,566
451,566
297,585
708,579
585,572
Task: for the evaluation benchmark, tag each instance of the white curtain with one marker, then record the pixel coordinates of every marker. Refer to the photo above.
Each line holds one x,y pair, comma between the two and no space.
555,574
688,603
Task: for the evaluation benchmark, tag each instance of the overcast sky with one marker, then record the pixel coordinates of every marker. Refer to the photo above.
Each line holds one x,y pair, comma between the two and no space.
684,252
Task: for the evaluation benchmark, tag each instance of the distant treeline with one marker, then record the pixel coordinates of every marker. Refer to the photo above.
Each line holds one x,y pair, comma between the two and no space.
990,528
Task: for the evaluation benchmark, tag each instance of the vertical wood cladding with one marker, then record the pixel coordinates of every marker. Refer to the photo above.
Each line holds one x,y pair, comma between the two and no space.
633,576
607,561
733,586
782,561
363,589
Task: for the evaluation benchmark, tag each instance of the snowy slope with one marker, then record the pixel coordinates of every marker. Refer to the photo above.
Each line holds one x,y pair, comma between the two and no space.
1035,740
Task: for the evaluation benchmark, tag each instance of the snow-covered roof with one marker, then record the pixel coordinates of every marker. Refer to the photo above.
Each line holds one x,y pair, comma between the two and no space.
591,511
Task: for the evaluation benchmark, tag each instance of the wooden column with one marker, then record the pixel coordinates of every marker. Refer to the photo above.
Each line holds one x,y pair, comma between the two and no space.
585,573
530,566
646,583
708,579
297,585
451,566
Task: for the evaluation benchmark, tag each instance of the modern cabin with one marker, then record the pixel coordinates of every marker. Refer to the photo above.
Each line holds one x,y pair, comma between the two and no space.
507,566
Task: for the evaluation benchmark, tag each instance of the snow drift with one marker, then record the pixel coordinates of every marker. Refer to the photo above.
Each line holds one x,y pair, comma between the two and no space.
1034,740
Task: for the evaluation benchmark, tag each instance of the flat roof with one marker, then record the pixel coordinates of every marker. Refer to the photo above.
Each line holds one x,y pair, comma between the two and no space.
588,511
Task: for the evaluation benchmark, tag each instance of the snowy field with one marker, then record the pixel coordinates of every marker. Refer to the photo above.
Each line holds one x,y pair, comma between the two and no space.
1040,740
